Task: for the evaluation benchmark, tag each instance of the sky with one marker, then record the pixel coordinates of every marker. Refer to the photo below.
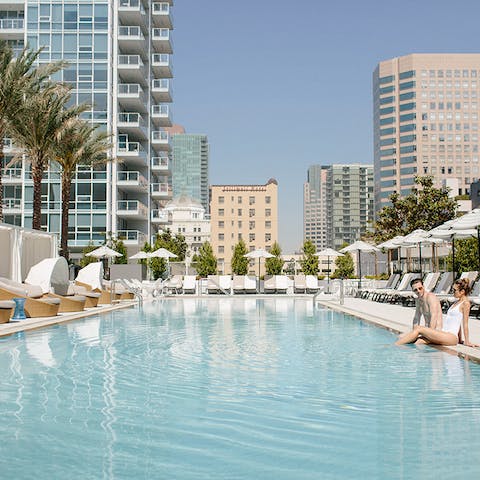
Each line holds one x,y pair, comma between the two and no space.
278,86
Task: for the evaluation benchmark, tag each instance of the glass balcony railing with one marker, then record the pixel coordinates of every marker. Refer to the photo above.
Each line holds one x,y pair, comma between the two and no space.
131,118
12,174
131,5
132,32
132,206
129,89
162,59
129,60
12,203
159,215
160,34
160,189
159,136
160,110
160,163
11,23
131,236
130,147
160,8
132,177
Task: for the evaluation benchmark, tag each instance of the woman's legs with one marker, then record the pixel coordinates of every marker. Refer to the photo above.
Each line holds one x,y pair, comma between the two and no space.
433,336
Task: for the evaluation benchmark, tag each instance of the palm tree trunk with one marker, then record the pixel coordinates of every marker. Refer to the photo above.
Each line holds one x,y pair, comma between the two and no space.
66,186
37,174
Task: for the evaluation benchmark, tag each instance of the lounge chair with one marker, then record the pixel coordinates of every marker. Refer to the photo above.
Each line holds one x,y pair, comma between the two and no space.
36,305
250,284
299,284
174,284
429,283
238,284
225,283
269,285
311,281
189,284
392,282
403,286
213,284
281,283
6,310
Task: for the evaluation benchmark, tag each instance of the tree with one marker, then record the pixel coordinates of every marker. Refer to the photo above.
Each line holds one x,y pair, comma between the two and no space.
273,266
309,262
80,143
19,77
205,261
175,244
425,207
344,267
34,126
119,246
85,258
239,261
466,256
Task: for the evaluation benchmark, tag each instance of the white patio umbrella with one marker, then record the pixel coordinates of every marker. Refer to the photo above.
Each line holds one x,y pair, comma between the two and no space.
329,252
141,255
467,221
163,253
103,252
392,244
360,246
259,253
418,238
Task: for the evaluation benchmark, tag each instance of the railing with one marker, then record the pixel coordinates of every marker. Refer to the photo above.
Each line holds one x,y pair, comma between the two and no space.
131,32
131,147
12,174
162,59
160,135
131,118
134,60
131,4
160,7
160,215
133,177
161,188
11,23
132,206
160,163
160,110
12,203
160,34
129,89
161,84
131,235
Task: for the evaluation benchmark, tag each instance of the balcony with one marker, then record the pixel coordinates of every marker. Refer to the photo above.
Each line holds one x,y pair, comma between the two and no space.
132,237
12,205
131,39
12,176
133,152
161,116
132,123
161,90
161,40
161,140
162,65
131,69
132,209
132,181
12,28
161,165
7,145
161,190
131,12
131,96
159,216
161,15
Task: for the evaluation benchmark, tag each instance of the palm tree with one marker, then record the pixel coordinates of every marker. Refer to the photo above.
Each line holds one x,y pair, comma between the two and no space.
38,121
18,76
79,143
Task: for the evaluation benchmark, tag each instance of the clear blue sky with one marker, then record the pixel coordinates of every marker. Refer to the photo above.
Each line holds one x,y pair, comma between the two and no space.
280,85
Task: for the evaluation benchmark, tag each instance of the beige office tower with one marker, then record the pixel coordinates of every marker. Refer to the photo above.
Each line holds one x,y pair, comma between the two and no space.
248,212
425,113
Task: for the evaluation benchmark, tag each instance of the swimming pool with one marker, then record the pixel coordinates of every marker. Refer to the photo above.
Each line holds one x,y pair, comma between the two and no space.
233,389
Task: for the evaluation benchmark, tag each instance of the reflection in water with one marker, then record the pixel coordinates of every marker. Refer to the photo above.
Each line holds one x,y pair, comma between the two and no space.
37,345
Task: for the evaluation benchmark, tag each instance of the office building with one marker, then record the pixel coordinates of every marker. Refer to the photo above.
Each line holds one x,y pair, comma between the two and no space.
314,206
248,212
425,113
120,61
190,154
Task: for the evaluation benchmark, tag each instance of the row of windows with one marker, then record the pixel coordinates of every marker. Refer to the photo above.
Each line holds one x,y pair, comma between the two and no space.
465,73
450,159
251,226
251,238
450,116
458,148
449,94
442,85
466,137
251,200
251,212
448,105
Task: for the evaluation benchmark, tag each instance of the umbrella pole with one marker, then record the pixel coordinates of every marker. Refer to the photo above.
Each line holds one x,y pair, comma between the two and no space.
359,270
453,256
420,256
328,274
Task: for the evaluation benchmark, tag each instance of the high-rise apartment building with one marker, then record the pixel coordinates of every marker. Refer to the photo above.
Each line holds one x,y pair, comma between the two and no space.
350,203
248,212
314,206
120,61
426,110
190,153
338,204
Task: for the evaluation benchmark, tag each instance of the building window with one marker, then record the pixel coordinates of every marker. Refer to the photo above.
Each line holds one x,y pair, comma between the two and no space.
221,224
221,249
268,212
221,199
251,200
251,212
239,199
221,237
268,224
268,237
251,225
239,224
268,200
239,212
221,212
251,237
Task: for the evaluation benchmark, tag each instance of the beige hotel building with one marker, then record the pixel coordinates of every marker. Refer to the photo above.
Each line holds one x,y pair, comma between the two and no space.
248,212
426,118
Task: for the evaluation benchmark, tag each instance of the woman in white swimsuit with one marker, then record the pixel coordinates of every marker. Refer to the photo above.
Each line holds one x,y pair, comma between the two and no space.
457,317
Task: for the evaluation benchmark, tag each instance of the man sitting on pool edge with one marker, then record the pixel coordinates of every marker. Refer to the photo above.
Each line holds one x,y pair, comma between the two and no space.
426,304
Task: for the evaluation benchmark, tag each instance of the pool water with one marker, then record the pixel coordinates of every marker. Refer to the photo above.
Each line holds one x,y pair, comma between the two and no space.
233,389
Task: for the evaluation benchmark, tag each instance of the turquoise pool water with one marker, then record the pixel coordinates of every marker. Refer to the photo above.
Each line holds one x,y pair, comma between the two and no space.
233,389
